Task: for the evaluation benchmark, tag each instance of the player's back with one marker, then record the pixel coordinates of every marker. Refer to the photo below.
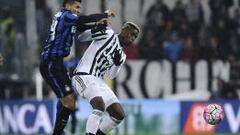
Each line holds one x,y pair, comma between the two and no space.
98,58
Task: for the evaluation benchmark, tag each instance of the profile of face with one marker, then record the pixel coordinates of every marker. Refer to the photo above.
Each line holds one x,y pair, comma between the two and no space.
129,35
74,7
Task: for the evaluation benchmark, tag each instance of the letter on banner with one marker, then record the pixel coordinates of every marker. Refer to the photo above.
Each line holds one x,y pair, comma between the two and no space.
233,120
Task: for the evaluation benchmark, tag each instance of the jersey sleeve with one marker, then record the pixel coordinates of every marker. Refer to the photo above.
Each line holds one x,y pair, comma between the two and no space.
85,27
70,19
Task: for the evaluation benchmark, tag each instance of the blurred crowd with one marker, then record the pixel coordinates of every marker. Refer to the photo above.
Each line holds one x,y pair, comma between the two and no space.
178,33
183,33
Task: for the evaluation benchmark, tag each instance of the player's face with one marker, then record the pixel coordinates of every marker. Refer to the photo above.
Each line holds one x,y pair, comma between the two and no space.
130,36
75,8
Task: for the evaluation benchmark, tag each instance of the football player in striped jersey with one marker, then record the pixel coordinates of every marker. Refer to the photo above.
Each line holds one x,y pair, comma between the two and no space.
104,57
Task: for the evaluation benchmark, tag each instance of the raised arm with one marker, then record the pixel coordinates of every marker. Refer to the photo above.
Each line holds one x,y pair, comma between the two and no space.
72,19
96,17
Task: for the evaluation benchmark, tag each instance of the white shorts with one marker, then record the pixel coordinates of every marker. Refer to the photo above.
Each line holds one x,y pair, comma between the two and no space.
89,86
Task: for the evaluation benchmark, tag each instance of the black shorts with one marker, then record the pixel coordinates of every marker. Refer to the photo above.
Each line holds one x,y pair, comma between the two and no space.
55,74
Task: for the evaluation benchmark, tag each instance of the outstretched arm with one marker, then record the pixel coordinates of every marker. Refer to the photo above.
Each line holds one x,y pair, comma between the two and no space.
96,17
80,20
91,18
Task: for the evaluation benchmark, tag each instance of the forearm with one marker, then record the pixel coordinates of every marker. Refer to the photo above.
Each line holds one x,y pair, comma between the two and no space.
91,18
84,27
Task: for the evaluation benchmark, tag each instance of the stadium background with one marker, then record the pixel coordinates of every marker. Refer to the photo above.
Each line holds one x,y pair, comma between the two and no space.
187,56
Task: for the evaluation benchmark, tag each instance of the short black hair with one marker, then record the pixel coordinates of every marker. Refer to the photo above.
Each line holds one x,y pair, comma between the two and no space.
70,1
133,27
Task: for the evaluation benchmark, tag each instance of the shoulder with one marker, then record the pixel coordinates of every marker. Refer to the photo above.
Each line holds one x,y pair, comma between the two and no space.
58,14
68,14
110,30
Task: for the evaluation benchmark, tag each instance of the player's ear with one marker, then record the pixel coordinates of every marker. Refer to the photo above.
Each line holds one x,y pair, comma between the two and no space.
67,6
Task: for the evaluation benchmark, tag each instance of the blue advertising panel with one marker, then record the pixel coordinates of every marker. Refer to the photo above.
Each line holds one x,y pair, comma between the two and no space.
26,117
192,117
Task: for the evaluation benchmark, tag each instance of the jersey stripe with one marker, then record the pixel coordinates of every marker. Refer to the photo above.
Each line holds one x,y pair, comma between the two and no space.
98,52
99,34
99,57
80,81
103,60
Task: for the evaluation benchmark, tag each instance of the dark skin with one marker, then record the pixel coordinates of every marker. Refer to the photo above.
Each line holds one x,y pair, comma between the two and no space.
126,38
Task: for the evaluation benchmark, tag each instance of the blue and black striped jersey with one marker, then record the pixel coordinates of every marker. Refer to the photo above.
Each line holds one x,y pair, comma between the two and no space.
62,32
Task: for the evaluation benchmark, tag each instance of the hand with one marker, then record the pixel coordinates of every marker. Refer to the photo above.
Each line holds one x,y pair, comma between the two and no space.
110,13
103,21
119,57
100,26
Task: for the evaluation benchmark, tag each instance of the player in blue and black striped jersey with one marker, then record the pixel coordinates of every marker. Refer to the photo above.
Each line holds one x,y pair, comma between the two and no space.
58,44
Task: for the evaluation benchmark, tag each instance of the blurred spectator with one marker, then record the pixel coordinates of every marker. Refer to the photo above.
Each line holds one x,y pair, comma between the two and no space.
225,90
188,53
235,35
8,32
223,32
1,59
178,15
43,20
210,51
148,47
217,7
158,15
195,17
235,49
184,31
172,47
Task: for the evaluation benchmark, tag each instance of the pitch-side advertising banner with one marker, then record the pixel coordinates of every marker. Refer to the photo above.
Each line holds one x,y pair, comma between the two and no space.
192,118
26,117
142,117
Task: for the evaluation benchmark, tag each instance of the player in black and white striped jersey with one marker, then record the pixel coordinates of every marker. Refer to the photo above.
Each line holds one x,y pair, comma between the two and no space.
104,57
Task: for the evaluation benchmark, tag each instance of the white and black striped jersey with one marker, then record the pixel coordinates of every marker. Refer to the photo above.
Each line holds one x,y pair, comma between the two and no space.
98,58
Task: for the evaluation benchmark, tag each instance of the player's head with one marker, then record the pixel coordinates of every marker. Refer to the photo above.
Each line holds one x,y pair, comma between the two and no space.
72,5
129,32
